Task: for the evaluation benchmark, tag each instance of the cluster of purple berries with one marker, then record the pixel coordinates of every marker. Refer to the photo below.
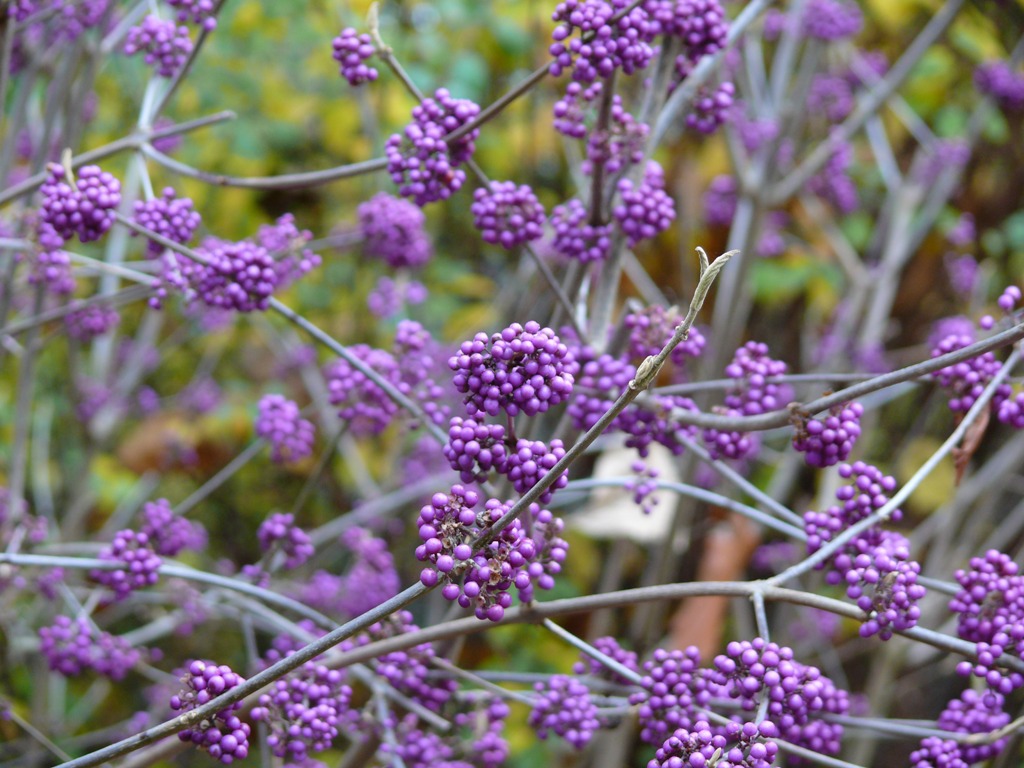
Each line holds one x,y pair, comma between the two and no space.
830,96
720,201
239,276
368,408
966,380
563,706
487,717
999,80
883,580
712,107
604,45
84,207
576,237
422,162
831,20
618,146
304,710
389,297
524,368
507,215
285,243
197,11
549,551
72,646
392,230
610,647
654,421
797,694
420,367
165,44
139,565
1011,411
991,608
602,380
20,10
224,736
751,368
828,441
746,745
169,216
876,565
409,673
672,689
352,50
868,491
51,267
521,555
169,533
701,25
643,486
371,579
492,572
66,19
280,422
754,393
475,448
279,530
530,461
971,713
644,210
416,747
570,111
89,322
651,328
833,183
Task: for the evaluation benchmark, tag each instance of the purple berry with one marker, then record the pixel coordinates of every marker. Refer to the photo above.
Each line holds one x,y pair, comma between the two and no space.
223,736
563,706
286,244
575,237
367,407
521,369
73,646
831,20
167,46
90,322
645,210
620,45
833,183
421,162
507,215
139,564
197,11
529,462
280,531
304,710
720,201
712,106
671,691
829,440
966,380
281,424
392,230
168,215
475,449
169,533
999,80
352,50
85,208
